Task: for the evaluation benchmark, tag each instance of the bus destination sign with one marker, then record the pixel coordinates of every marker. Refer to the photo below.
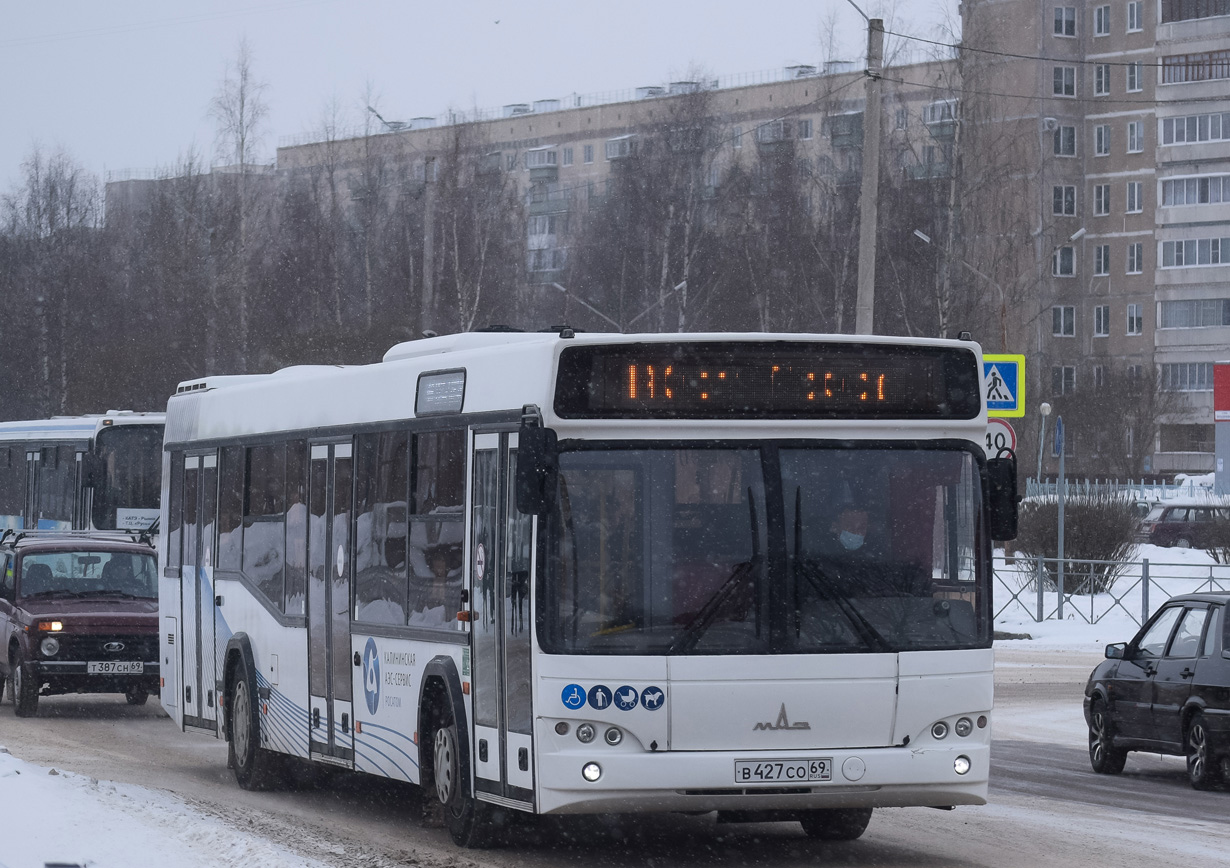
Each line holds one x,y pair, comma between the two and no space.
766,380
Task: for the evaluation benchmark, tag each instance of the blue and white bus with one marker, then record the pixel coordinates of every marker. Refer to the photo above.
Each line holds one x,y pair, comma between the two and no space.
95,472
564,573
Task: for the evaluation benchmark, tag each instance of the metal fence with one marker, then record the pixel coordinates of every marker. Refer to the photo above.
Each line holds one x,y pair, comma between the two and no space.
1129,488
1038,588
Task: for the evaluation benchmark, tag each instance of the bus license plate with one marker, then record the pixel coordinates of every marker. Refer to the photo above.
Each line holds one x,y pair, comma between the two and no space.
784,771
115,667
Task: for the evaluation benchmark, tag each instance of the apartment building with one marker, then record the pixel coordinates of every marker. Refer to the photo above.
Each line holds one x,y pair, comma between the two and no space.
1119,108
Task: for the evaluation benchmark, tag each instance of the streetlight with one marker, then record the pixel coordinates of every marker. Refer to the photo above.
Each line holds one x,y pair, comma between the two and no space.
588,306
1003,303
1045,410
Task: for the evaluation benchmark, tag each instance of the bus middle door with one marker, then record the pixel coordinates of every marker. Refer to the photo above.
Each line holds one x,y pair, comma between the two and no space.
500,570
330,712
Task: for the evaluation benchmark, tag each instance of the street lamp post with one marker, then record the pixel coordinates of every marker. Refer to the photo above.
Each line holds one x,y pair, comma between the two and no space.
1045,410
1003,302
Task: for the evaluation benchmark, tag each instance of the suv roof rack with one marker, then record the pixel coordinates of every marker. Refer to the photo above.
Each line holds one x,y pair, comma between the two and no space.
12,536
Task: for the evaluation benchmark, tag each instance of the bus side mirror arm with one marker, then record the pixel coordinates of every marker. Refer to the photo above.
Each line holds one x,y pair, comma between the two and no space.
537,464
1002,498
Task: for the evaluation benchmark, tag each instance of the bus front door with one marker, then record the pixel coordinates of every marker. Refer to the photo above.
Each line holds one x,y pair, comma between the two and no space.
501,622
199,611
330,715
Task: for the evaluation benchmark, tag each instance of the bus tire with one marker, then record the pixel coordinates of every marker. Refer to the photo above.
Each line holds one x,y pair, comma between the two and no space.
254,766
471,823
836,824
25,688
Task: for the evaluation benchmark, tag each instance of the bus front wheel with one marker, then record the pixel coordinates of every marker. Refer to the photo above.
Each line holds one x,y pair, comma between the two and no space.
836,824
471,823
252,764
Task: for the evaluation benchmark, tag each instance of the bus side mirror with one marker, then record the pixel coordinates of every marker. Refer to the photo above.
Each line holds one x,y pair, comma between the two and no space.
1002,496
537,464
92,470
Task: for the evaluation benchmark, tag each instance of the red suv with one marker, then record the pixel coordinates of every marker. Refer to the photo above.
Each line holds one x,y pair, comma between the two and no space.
78,614
1185,523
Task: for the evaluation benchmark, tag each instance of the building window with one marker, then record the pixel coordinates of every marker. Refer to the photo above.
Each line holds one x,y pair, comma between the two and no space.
1099,376
1101,200
587,153
1101,21
903,118
1186,438
567,156
511,162
1101,260
1064,201
1101,321
620,147
736,137
1136,136
1063,321
1196,128
1065,20
1202,66
1135,258
1134,80
1205,190
1065,141
1187,376
1187,10
1065,81
1134,16
1063,381
1194,313
1063,262
1101,79
1135,197
541,158
805,128
1135,319
548,258
1195,251
1101,140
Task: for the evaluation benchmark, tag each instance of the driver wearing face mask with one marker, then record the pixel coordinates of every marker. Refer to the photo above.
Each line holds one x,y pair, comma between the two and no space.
851,528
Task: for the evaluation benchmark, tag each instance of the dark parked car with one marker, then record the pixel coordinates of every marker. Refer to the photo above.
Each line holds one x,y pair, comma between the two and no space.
78,614
1167,691
1184,523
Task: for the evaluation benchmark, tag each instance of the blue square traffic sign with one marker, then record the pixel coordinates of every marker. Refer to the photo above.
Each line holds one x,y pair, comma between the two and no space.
1004,378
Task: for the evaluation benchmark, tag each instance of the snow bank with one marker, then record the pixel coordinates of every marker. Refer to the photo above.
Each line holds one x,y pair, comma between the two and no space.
115,826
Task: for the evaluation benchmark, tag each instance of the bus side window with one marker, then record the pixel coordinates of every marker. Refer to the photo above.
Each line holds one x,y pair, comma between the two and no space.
12,487
175,515
382,483
296,526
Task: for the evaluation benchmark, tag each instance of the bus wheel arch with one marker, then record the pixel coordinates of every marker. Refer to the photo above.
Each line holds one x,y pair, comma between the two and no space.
252,764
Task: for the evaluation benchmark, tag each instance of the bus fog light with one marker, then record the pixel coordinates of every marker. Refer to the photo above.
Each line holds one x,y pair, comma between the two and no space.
561,728
939,729
961,765
591,772
613,736
50,646
964,727
586,733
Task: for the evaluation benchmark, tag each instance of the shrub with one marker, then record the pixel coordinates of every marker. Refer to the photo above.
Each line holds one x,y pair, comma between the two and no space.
1096,527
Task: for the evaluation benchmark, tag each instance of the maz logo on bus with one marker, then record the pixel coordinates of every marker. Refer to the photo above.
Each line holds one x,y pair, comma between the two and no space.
782,722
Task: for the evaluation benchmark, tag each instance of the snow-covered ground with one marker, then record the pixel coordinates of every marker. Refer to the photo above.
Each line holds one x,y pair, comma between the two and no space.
47,814
132,827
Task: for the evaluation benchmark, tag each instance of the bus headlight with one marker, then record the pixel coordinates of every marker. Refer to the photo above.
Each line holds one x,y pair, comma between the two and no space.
939,729
591,772
964,727
50,646
961,765
586,733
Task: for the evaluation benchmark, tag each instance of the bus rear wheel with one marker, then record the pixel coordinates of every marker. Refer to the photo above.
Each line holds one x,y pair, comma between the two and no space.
836,824
471,823
253,765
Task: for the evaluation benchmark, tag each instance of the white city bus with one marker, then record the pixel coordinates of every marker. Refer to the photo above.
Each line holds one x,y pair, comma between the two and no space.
583,573
95,472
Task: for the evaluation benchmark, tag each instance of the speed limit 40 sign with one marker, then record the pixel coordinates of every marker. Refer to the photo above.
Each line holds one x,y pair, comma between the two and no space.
999,436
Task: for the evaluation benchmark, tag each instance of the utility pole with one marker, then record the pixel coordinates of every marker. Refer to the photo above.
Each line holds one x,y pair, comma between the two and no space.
869,194
428,320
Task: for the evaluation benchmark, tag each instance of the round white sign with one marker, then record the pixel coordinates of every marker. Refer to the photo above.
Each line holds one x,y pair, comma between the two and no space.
480,562
999,436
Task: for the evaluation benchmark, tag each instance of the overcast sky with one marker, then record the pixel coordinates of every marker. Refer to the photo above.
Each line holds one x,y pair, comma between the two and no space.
126,85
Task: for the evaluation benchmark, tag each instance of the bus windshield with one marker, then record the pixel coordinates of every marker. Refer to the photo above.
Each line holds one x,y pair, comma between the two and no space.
774,548
126,492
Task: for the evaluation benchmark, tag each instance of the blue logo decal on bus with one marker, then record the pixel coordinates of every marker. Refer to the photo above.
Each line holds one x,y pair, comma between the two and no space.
573,696
600,697
371,676
625,698
652,698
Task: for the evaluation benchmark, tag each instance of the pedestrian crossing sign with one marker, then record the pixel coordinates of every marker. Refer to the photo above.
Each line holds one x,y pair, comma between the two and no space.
1004,377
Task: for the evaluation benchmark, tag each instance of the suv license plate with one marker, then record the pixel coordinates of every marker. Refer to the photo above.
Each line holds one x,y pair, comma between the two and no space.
115,667
784,771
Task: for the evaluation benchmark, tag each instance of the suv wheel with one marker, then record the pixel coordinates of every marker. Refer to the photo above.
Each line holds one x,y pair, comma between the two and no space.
25,688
